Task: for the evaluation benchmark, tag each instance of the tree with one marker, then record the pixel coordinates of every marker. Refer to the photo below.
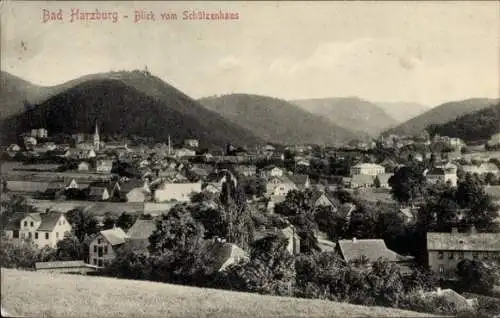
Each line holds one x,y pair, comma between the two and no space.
109,221
176,231
17,254
70,249
271,269
407,184
82,223
475,276
126,220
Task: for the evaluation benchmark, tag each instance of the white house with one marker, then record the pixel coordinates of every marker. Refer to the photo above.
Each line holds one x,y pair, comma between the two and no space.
103,247
176,191
43,229
370,169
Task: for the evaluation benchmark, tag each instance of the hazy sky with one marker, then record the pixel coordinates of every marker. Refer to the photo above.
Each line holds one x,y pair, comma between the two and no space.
394,51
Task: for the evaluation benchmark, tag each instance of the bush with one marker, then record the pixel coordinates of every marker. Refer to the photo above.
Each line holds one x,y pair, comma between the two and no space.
23,254
435,304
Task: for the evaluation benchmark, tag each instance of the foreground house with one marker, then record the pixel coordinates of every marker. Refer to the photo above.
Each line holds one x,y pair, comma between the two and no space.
446,250
43,229
103,247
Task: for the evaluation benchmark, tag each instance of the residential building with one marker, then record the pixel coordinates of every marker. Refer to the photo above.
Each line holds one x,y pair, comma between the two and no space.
443,174
372,250
44,229
279,186
270,172
246,170
184,152
361,181
103,247
104,166
483,168
192,143
84,166
98,193
383,180
289,233
446,250
301,181
370,169
180,192
218,255
320,199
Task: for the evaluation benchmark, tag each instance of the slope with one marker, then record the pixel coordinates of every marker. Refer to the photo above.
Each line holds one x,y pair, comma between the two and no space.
81,296
277,120
124,110
477,126
402,111
350,112
17,94
440,115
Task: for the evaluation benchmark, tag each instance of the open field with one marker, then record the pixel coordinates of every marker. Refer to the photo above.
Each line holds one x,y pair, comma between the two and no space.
38,294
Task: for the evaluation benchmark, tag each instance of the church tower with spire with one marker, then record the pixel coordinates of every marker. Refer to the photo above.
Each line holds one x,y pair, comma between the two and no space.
97,140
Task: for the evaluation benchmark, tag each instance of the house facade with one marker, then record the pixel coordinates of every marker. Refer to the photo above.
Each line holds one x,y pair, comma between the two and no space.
446,250
103,247
176,191
442,175
43,229
279,186
370,169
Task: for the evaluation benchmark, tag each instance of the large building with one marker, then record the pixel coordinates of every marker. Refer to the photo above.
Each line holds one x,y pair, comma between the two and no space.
370,169
442,175
43,229
446,250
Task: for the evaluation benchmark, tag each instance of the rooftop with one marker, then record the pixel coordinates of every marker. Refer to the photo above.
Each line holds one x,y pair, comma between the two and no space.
372,249
463,241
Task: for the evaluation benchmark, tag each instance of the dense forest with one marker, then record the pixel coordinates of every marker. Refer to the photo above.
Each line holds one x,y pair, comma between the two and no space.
476,126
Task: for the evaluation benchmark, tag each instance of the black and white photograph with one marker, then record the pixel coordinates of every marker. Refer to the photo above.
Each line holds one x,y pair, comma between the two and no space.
250,159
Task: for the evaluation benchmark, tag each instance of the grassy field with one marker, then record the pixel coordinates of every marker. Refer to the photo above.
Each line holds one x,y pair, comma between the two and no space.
38,294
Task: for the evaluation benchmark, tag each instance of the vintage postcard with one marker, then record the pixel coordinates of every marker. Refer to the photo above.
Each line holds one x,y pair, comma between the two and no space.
250,158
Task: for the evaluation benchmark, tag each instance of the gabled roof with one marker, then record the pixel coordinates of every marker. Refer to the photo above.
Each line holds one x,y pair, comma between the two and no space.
463,241
372,249
97,191
115,236
49,221
218,253
142,229
299,179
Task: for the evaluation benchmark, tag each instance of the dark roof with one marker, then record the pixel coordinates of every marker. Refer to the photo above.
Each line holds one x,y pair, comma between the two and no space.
97,191
142,229
372,249
436,171
463,241
49,221
217,253
131,184
14,222
299,179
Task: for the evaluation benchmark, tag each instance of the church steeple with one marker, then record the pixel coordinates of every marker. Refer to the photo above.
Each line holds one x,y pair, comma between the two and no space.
97,141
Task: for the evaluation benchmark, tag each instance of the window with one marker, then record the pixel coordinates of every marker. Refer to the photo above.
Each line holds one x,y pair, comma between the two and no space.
100,263
100,251
31,224
36,236
485,255
95,249
57,234
106,249
99,241
95,261
29,234
475,255
25,223
440,255
441,269
22,235
47,236
451,256
461,255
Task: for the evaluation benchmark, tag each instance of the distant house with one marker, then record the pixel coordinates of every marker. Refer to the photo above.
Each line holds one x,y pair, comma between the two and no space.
483,168
322,200
370,169
13,148
43,229
130,191
301,181
246,170
180,192
103,247
218,255
67,267
446,250
271,172
184,152
273,200
371,249
212,188
98,193
28,187
442,174
279,186
384,180
289,233
193,143
104,166
84,166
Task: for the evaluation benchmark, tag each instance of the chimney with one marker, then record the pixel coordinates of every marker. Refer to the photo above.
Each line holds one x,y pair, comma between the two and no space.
454,230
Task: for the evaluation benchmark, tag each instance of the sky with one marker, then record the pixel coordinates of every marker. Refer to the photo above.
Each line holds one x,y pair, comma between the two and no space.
424,52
